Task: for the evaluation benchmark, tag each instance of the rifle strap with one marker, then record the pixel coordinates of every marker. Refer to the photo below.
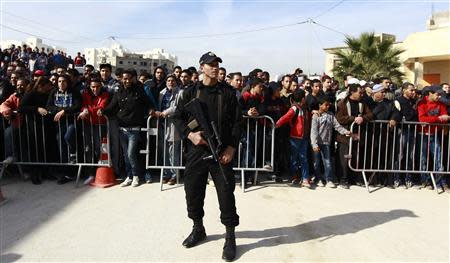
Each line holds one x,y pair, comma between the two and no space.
219,107
219,111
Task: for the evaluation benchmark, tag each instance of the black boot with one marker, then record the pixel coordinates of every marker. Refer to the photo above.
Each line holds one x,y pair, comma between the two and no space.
229,249
197,235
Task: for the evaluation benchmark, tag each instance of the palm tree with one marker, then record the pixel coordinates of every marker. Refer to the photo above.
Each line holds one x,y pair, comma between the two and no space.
368,58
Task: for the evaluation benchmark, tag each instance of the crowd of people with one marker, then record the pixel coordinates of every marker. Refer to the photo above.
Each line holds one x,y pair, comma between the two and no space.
313,117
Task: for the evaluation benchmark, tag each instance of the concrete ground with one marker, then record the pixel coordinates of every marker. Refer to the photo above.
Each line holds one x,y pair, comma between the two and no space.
52,223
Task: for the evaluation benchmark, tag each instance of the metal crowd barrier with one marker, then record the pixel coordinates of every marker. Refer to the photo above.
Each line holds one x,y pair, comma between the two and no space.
255,153
406,148
38,140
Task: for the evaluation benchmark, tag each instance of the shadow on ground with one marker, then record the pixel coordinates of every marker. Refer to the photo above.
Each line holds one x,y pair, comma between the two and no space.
30,206
9,258
323,228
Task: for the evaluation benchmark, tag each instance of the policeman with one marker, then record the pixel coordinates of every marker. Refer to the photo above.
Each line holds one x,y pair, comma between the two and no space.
222,108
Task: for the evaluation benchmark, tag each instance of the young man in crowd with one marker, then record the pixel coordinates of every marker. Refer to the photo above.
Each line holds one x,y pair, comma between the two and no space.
222,74
236,82
177,72
130,106
285,89
383,109
406,106
185,79
350,110
327,89
109,83
312,98
431,110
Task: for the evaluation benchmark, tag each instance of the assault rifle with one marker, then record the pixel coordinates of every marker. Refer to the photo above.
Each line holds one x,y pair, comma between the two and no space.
210,133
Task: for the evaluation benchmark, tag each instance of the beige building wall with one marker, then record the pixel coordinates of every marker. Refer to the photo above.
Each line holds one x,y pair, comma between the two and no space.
427,54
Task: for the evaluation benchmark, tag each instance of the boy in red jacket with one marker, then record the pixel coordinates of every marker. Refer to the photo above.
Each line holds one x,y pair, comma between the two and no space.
431,110
299,120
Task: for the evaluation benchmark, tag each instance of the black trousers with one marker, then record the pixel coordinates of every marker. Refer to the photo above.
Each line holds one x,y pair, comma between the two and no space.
196,175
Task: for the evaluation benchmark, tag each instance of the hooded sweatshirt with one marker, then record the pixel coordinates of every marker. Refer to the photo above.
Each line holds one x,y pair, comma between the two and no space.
429,111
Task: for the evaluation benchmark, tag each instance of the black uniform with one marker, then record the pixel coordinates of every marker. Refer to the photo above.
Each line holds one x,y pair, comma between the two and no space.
197,168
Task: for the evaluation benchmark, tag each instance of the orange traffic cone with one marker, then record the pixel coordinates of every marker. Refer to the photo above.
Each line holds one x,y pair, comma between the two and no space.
2,198
104,177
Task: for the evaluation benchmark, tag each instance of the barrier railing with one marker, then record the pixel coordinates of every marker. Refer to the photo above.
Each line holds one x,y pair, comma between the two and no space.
38,140
164,149
406,148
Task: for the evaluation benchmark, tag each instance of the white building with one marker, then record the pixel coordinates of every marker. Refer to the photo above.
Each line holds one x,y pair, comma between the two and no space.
32,42
119,57
159,54
97,56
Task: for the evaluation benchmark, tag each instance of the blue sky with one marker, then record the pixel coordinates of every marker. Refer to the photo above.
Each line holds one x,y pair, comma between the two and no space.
80,24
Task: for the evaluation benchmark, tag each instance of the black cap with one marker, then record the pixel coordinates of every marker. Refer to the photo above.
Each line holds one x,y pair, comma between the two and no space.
433,89
208,58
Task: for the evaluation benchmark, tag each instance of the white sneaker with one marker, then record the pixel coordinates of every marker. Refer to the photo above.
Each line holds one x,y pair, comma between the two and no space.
9,160
88,180
330,185
267,167
135,181
127,182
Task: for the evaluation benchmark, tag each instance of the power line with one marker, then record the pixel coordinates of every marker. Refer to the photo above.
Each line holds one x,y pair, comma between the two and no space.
317,36
329,28
46,26
38,36
217,34
329,9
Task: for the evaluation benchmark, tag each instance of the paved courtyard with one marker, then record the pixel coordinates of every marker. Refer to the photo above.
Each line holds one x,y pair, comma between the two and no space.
52,223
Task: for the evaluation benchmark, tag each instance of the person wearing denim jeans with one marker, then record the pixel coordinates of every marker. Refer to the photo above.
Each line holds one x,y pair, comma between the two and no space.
169,143
322,126
66,140
430,152
324,156
251,103
406,138
63,103
299,157
129,142
299,120
130,106
405,151
431,110
94,127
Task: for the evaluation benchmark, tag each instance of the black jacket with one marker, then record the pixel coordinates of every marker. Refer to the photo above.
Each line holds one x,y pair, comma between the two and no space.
385,110
6,90
156,88
229,126
130,106
31,101
407,108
